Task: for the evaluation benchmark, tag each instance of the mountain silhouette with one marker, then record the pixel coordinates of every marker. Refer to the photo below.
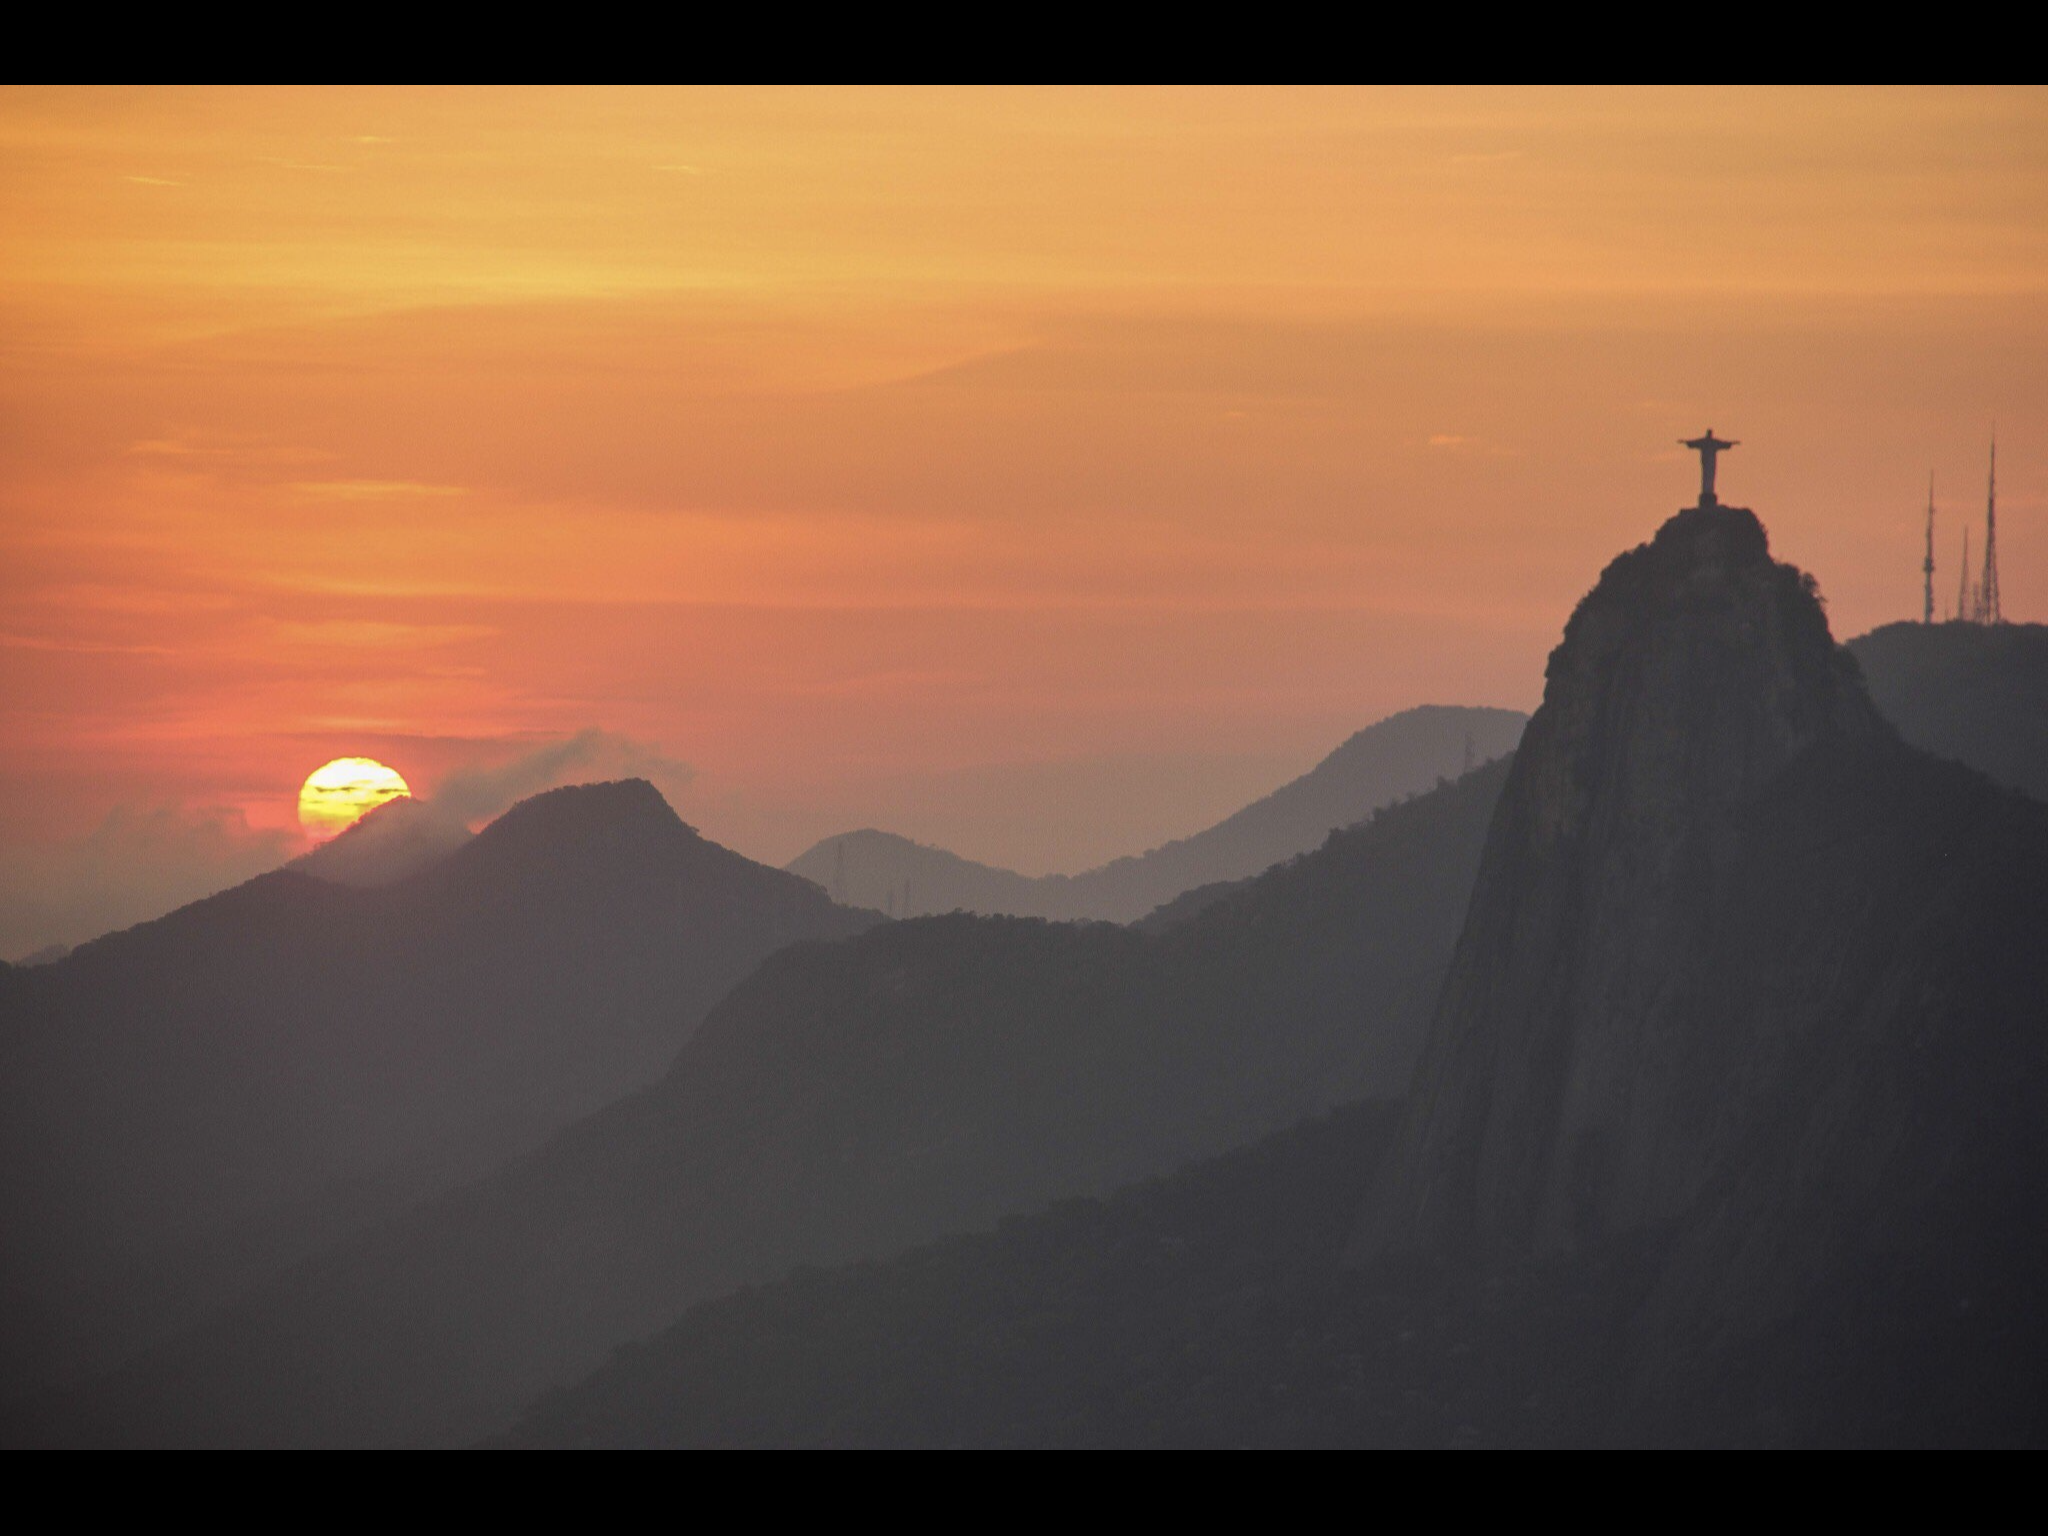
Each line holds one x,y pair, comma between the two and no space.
1975,692
1728,1128
190,1104
1401,755
1745,978
1581,1067
1160,1317
846,1101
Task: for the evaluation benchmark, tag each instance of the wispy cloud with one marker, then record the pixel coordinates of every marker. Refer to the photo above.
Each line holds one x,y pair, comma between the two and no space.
140,862
153,181
375,490
81,647
475,794
226,449
107,597
376,635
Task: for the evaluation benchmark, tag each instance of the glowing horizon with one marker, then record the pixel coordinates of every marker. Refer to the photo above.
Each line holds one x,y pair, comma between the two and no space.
1040,473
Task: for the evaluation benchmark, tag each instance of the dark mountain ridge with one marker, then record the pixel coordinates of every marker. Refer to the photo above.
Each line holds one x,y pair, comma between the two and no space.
846,1101
1827,983
188,1104
1575,1082
1974,692
1727,1132
1745,975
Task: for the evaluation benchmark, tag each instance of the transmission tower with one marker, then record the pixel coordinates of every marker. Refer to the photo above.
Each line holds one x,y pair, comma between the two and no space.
1966,609
1987,594
1927,565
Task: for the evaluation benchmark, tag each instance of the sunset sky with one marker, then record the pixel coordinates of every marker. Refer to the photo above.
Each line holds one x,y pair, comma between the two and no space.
1040,473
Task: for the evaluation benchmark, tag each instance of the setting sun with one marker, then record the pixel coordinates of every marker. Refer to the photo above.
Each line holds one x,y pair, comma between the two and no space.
1089,768
335,796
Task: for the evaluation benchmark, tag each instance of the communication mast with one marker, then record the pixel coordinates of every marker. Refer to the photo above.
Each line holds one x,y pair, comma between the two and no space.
1927,565
1987,593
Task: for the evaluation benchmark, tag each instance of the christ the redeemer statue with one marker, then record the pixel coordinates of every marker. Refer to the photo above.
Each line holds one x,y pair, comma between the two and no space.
1707,447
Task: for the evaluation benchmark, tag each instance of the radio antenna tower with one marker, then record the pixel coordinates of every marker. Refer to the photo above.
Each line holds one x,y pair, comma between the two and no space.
1927,565
1966,610
1987,594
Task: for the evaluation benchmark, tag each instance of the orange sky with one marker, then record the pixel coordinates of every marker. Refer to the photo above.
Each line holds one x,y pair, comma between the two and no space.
1042,473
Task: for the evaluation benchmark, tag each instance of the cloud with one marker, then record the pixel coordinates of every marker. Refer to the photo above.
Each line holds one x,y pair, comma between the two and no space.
225,448
374,490
140,862
372,634
471,795
82,647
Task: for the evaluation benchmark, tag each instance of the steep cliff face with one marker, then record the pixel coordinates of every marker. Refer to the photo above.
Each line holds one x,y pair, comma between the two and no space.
1865,1265
1587,1070
1751,991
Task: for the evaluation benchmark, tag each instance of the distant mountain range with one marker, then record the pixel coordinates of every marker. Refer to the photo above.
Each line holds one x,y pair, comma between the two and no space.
1727,1130
1402,755
189,1105
408,1100
846,1101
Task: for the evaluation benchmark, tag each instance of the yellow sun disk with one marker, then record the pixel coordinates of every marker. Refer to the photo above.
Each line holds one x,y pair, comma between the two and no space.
334,796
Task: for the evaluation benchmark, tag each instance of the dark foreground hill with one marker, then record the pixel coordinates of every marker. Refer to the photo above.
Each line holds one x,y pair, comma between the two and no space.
1976,693
1207,1309
1401,755
188,1105
847,1101
1728,1130
1157,1317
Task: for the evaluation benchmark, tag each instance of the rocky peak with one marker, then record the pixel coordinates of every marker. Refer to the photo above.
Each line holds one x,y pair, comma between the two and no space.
1694,671
1575,1084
